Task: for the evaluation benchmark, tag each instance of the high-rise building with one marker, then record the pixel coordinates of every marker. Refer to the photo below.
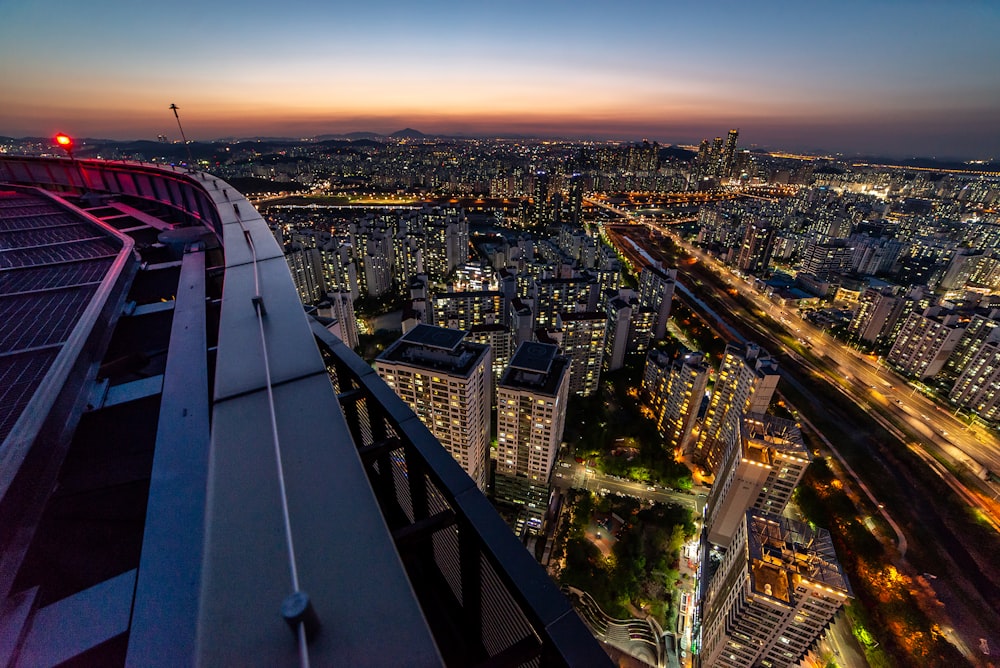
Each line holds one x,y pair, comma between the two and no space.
161,370
656,292
339,272
446,381
978,388
745,383
501,343
463,310
760,475
583,342
371,241
925,341
826,259
616,334
531,414
306,266
877,309
728,167
521,319
339,306
982,328
754,254
575,200
559,295
675,389
776,591
541,214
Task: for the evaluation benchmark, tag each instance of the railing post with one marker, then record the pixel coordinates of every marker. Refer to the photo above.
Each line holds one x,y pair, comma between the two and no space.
470,558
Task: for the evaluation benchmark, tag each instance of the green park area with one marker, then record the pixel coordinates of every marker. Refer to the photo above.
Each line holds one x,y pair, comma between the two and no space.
611,432
625,554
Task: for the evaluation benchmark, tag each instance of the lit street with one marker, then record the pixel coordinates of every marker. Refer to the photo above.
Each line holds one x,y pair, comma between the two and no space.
571,474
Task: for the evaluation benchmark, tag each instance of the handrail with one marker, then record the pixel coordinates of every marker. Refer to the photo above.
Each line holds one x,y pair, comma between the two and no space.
539,621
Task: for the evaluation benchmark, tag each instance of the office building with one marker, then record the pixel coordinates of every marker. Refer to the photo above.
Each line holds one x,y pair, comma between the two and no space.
776,591
760,475
447,382
675,389
531,414
745,383
163,351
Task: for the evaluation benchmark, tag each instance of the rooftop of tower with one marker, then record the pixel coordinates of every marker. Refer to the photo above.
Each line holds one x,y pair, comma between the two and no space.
435,349
536,367
783,551
196,422
763,433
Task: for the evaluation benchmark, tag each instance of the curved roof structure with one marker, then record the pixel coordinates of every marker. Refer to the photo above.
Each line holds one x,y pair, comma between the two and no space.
182,450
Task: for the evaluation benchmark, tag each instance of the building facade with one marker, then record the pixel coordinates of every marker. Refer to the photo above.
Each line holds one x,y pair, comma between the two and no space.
745,383
776,591
446,381
761,475
675,389
531,413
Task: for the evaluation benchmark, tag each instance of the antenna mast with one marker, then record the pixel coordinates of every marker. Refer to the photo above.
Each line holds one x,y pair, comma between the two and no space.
174,108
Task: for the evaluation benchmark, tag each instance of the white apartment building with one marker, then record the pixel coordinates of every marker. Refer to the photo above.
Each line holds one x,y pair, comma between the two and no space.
761,475
531,413
776,591
446,381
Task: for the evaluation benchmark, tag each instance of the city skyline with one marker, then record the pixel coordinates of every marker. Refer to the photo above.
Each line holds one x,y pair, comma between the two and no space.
871,78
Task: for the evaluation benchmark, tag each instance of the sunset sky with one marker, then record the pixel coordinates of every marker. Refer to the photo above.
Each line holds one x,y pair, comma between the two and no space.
898,78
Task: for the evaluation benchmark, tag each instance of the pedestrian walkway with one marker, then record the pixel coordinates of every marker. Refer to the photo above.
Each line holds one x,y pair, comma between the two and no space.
642,639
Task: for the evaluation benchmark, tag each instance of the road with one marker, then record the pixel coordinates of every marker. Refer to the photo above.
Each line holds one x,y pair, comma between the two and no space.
571,474
868,382
969,589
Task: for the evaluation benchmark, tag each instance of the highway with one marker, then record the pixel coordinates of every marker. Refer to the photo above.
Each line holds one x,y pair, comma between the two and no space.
870,383
968,583
867,381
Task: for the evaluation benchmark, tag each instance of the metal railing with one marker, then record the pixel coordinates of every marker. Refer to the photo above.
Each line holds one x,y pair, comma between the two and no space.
486,600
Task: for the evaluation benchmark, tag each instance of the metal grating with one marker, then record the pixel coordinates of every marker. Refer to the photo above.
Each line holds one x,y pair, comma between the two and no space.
49,218
503,622
448,559
33,279
19,376
82,250
43,236
44,319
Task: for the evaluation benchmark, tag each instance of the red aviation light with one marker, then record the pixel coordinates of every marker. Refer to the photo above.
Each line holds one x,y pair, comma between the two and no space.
64,141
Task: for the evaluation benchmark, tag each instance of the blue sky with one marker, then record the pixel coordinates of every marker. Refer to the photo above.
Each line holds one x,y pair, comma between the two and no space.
875,77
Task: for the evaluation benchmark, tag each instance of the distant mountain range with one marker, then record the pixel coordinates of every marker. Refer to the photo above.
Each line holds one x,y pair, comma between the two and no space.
89,147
